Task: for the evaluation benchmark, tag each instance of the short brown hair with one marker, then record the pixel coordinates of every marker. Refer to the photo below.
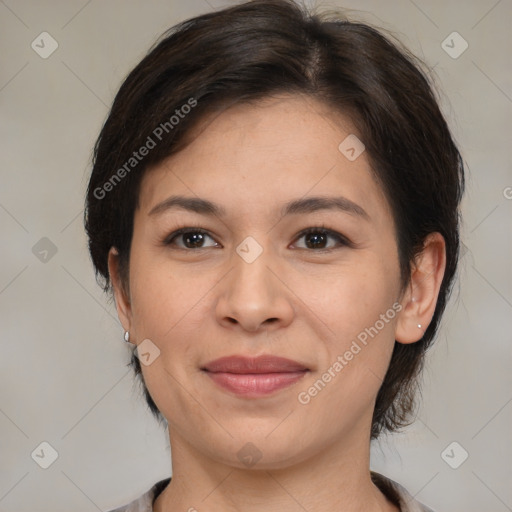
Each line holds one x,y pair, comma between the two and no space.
252,51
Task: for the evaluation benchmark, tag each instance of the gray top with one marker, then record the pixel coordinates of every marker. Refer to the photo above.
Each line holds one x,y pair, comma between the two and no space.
394,491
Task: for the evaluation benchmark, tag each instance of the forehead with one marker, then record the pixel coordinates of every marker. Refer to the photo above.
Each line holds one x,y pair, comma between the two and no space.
253,157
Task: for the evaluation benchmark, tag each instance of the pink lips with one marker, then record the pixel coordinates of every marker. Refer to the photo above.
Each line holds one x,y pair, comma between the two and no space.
253,377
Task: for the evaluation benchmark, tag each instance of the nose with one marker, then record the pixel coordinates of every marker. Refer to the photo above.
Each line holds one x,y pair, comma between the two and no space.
253,296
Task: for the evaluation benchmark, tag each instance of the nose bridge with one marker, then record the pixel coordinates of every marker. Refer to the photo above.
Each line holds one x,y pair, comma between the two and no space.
252,294
251,275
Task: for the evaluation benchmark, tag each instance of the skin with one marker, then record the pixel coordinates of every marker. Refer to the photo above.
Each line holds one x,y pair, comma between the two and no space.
294,300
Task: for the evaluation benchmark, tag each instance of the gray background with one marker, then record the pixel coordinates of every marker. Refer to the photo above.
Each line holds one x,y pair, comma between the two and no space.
63,374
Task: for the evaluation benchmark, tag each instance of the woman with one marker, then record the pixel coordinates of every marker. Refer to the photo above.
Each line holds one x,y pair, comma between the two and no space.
274,204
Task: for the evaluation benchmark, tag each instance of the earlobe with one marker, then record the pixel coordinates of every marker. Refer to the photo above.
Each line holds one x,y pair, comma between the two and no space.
420,300
122,301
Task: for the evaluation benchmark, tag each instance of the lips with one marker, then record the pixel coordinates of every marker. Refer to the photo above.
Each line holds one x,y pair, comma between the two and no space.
254,377
261,364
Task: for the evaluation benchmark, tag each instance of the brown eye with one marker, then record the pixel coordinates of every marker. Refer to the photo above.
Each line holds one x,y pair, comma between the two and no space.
318,238
190,238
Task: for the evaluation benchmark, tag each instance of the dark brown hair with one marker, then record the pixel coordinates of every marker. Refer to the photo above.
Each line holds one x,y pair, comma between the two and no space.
264,47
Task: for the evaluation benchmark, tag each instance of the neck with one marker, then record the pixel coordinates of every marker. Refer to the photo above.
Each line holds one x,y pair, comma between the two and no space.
337,478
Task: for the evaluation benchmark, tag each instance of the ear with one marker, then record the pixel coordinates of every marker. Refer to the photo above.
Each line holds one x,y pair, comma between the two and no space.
123,305
420,299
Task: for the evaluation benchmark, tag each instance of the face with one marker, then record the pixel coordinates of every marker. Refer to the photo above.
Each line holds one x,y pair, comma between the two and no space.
248,281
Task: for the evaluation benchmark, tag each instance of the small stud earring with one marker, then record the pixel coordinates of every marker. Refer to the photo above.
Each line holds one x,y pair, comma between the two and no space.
419,326
413,299
127,336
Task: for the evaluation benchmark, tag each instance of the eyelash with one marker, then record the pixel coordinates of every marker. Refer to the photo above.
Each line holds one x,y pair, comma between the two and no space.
342,240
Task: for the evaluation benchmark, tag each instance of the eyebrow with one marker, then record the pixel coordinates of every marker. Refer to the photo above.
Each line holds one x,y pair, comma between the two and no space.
298,206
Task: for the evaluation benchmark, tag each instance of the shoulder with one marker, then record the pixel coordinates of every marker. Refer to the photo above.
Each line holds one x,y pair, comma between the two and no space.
398,494
144,503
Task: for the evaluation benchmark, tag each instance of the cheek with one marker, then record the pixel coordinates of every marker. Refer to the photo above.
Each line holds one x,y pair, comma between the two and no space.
171,304
359,306
161,301
352,297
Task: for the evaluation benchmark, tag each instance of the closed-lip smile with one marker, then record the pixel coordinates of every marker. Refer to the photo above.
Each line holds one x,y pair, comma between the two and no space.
253,377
